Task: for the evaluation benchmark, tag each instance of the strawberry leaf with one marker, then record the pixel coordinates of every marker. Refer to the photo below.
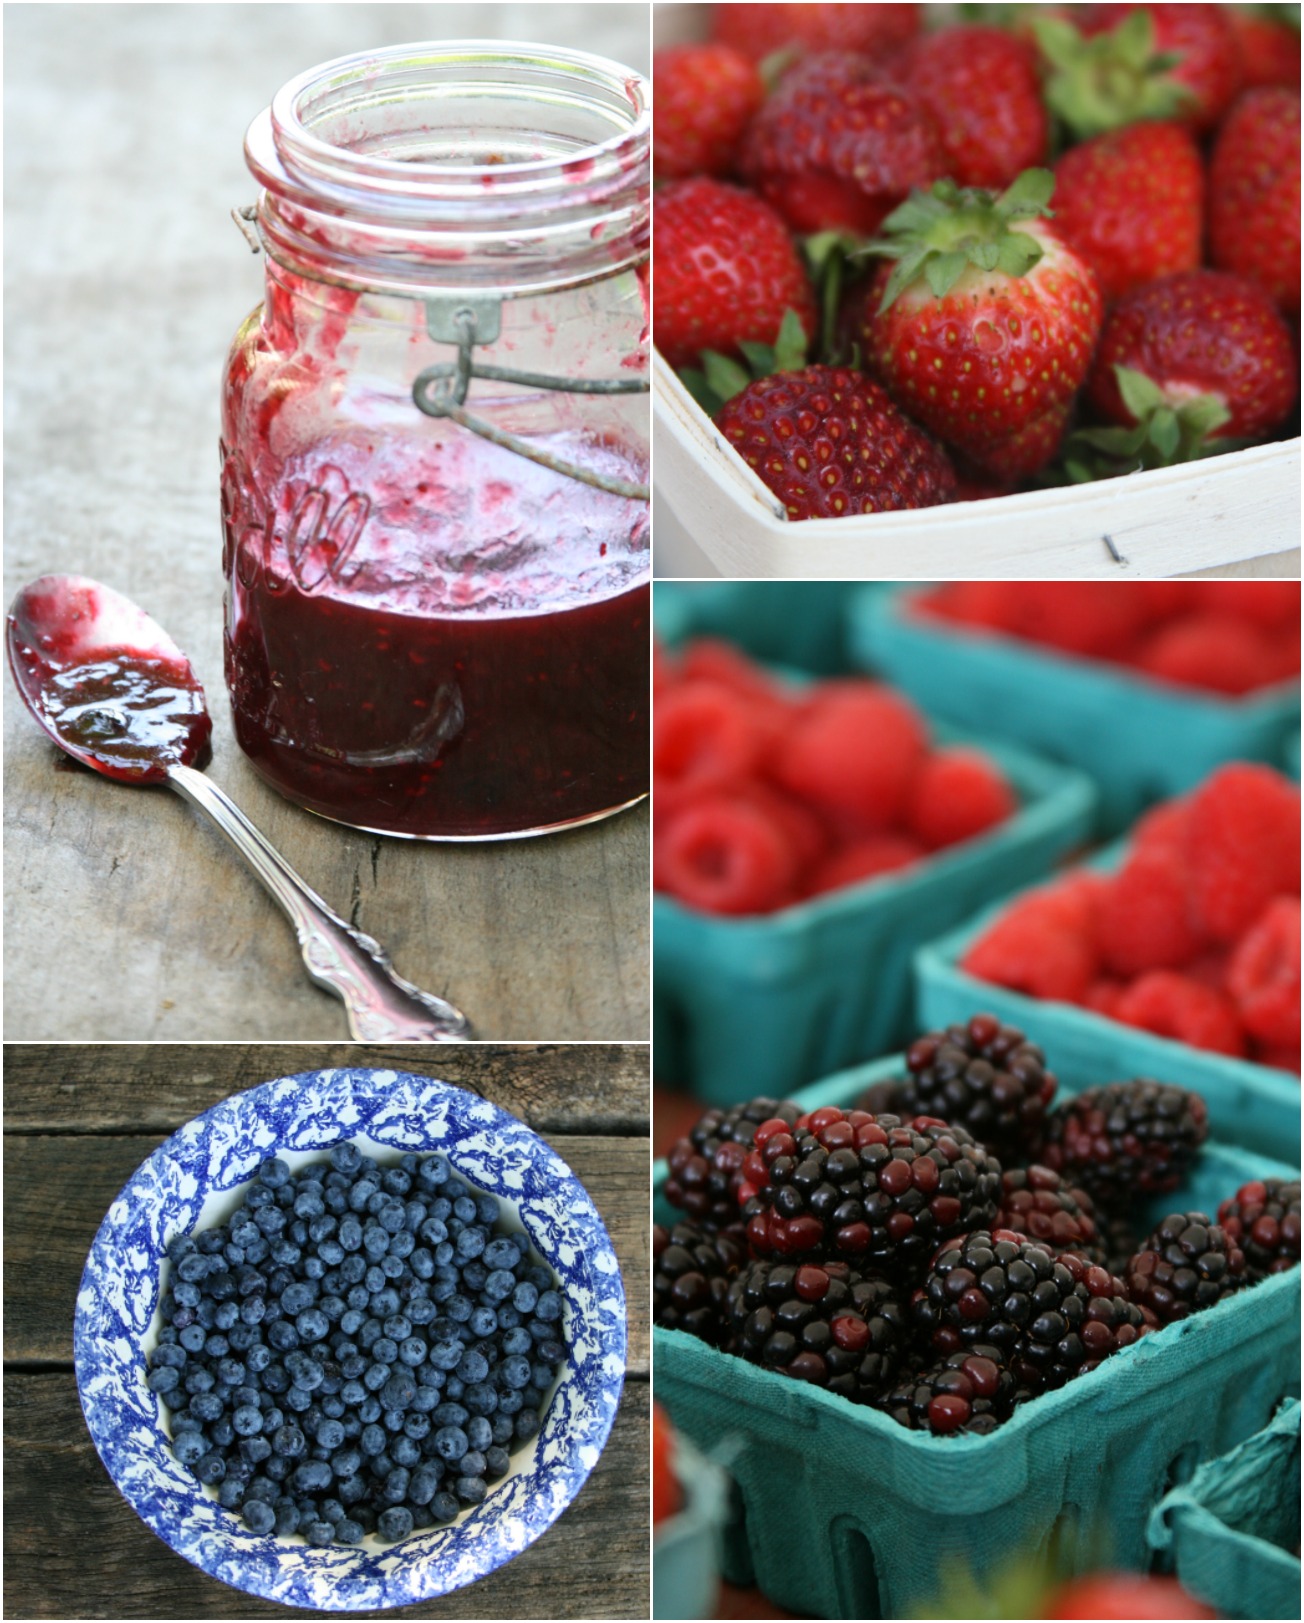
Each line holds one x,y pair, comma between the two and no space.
1110,80
1140,394
724,376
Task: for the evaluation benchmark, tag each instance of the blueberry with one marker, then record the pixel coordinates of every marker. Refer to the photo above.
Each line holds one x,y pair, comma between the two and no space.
287,1518
211,1468
163,1379
451,1443
525,1297
347,1531
384,1350
312,1325
394,1524
473,1366
247,1421
289,1442
527,1425
444,1506
319,1533
346,1157
470,1490
415,1424
497,1463
330,1435
471,1463
332,1511
514,1371
190,1447
254,1450
193,1337
424,1483
231,1493
312,1474
259,1517
394,1489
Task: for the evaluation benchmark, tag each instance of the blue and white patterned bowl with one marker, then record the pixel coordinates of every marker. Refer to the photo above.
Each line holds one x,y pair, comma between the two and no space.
195,1179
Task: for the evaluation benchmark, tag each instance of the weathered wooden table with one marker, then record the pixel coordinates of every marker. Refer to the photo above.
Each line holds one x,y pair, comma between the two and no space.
79,1121
126,916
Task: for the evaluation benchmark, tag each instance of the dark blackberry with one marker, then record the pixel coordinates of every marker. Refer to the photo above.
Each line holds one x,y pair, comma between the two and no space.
820,1322
1039,1203
1186,1265
1263,1218
1125,1140
969,1391
1122,1240
691,1271
872,1190
882,1099
985,1077
1049,1317
704,1167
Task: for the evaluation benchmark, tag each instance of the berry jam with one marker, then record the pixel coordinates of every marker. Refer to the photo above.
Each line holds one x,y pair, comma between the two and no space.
439,641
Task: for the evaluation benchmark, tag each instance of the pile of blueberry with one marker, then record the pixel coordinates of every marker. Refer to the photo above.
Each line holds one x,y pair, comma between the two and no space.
356,1350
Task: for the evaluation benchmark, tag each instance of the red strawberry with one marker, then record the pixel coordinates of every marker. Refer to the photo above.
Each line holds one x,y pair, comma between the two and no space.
760,30
1269,47
1254,202
1131,203
725,271
1199,337
705,98
981,87
1206,74
989,359
829,442
835,148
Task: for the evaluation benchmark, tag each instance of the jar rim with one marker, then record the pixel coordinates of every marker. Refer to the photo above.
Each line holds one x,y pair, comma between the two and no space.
289,158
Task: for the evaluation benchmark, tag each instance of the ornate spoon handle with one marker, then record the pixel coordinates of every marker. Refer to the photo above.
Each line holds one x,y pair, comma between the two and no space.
382,1006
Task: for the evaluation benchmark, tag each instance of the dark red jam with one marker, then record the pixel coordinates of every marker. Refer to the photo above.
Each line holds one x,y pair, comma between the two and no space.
437,644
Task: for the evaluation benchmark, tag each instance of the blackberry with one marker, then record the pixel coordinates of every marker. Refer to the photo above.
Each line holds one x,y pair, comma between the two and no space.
1126,1139
705,1166
1186,1265
1122,1240
985,1077
820,1322
882,1098
691,1270
1038,1203
971,1390
1263,1218
1049,1317
872,1190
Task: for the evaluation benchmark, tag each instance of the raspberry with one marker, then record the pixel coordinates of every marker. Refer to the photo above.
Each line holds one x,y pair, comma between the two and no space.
1076,617
1175,1006
1143,914
725,856
802,829
663,670
1163,826
1211,651
853,753
1242,847
1102,996
864,859
1269,604
958,794
1263,976
1037,946
704,738
711,659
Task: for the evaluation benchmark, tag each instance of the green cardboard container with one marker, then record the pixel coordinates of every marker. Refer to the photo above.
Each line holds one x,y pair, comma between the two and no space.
797,623
1233,1529
845,1514
1139,740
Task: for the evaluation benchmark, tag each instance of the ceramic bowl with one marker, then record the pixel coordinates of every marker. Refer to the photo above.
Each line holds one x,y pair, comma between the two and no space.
196,1179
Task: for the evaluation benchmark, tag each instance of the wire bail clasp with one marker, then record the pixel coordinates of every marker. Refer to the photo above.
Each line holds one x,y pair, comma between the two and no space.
441,390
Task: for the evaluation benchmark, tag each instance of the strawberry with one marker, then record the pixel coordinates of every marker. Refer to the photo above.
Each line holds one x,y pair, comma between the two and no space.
1254,201
980,85
705,98
829,442
835,148
1131,202
1209,359
983,329
725,270
760,30
1142,62
1268,46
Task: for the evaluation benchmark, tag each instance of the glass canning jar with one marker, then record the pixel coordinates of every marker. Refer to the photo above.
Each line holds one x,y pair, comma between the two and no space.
435,443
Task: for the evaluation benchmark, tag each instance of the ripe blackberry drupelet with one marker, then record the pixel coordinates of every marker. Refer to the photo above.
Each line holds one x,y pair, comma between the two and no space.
1126,1139
1043,1206
985,1077
691,1270
873,1190
705,1166
1186,1265
968,1391
824,1323
1263,1218
1049,1317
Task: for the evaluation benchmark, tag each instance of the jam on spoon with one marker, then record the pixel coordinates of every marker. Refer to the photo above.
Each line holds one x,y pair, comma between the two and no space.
117,694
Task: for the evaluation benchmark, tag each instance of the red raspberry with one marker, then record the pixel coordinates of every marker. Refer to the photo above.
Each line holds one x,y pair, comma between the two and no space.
1029,951
1263,976
1270,604
706,95
1102,997
1078,617
1242,847
1175,1006
1143,915
864,859
711,659
1163,827
973,602
800,826
853,754
957,795
724,856
704,738
1213,651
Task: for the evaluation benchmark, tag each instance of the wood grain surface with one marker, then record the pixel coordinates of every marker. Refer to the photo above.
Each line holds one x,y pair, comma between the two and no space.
80,1119
126,916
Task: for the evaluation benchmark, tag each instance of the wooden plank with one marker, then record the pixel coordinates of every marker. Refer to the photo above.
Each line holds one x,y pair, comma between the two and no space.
75,1548
57,1190
131,1087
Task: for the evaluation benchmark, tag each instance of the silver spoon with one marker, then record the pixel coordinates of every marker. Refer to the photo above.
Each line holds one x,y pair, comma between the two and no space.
112,689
